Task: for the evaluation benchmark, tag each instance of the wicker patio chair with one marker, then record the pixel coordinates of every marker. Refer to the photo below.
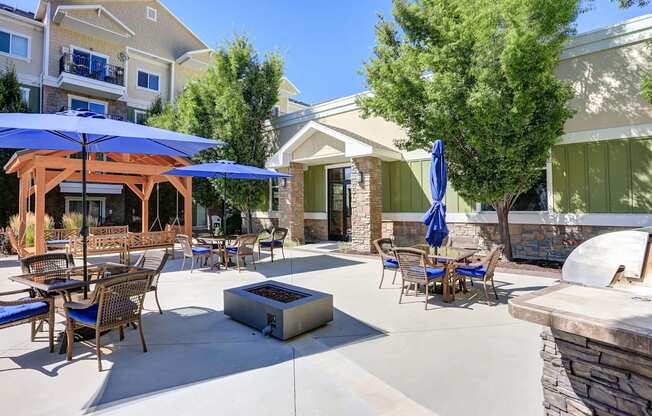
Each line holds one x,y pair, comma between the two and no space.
193,251
484,270
49,262
155,261
28,310
385,249
244,246
116,301
277,240
417,270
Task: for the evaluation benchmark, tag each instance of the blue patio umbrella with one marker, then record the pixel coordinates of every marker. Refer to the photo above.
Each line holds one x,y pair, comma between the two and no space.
435,218
226,169
85,131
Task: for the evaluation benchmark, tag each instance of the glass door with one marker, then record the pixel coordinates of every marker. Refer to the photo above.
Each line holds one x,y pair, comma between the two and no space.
339,204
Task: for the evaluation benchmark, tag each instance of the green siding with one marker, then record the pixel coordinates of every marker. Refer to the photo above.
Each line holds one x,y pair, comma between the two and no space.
603,177
34,105
314,185
406,188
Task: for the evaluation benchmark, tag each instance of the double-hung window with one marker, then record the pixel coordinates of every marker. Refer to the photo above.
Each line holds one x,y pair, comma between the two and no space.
148,81
14,45
274,194
140,116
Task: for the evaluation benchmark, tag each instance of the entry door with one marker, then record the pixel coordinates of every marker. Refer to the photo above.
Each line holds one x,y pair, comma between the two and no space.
339,204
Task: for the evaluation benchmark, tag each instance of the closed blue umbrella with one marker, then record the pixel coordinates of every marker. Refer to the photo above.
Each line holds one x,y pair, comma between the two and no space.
86,131
226,169
435,218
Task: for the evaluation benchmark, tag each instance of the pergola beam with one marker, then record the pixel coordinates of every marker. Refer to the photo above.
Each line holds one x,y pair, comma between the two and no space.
49,162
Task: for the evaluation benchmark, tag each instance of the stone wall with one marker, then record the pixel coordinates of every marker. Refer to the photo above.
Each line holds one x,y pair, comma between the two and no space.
290,201
366,203
529,241
316,230
585,377
55,99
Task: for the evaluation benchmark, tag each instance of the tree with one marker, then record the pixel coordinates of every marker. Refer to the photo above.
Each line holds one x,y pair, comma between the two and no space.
10,102
232,102
479,74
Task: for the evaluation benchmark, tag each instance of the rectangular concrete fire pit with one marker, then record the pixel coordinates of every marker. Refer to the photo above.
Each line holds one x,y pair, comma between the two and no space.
285,310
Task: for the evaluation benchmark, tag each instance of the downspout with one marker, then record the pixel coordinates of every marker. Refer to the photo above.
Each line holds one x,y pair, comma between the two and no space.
46,54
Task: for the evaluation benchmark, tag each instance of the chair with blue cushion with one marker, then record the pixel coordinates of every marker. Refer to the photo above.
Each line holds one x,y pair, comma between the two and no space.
27,310
418,271
484,270
385,249
116,301
243,247
276,240
194,251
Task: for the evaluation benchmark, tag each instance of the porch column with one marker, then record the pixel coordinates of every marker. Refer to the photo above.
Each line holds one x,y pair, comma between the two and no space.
187,207
39,211
290,203
23,194
366,203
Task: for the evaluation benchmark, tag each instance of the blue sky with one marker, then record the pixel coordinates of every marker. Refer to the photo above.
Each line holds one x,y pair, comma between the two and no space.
324,42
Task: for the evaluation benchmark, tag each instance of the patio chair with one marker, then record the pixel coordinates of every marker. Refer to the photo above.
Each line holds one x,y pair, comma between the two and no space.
277,240
385,249
27,310
17,246
484,270
244,246
50,262
155,261
116,301
193,251
417,270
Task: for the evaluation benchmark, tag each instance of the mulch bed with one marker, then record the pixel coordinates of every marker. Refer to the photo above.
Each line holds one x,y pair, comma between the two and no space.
276,293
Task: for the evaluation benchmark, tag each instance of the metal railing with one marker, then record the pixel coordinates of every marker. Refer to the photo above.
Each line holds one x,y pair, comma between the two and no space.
83,66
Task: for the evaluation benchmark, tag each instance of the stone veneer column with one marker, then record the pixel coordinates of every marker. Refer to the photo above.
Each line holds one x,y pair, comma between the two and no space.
366,203
291,203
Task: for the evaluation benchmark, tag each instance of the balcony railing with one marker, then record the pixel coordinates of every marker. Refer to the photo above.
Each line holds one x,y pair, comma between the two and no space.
107,115
85,67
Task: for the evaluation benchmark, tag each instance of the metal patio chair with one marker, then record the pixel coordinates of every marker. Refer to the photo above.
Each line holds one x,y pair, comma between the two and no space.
276,240
194,252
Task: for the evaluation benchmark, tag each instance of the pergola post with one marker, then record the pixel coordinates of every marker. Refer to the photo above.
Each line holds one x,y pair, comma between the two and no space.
39,211
187,207
23,194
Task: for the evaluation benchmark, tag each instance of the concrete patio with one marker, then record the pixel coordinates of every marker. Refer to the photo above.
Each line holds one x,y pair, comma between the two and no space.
376,358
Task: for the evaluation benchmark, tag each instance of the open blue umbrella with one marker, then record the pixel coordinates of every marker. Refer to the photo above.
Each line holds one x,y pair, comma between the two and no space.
86,131
226,169
435,218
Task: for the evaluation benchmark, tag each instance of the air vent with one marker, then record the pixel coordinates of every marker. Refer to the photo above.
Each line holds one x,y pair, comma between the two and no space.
152,14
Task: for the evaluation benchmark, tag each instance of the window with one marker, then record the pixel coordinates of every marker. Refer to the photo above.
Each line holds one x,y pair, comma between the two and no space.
536,199
148,81
94,206
89,105
14,45
152,14
24,95
140,116
274,194
89,63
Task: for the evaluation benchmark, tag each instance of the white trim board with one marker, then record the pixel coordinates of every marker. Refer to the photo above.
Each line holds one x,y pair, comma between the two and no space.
611,133
534,218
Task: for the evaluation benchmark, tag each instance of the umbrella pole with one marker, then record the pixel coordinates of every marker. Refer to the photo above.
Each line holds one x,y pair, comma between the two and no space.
84,228
224,207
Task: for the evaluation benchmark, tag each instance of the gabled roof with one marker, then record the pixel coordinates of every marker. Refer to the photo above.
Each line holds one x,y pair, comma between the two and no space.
63,12
14,10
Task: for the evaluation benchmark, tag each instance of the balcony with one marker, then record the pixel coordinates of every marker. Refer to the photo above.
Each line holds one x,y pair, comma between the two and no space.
90,76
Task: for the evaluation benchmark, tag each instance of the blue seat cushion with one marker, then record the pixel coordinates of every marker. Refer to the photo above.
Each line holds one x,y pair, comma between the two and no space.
390,263
85,316
472,272
434,273
200,250
58,241
232,250
270,244
18,312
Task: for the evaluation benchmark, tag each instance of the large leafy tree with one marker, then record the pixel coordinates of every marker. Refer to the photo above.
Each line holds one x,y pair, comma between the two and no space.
479,74
10,102
232,102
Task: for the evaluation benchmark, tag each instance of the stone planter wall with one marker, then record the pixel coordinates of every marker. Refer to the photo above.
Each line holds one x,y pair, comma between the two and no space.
585,377
316,230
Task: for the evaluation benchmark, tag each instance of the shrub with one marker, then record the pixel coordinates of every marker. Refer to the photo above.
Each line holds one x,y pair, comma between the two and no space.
73,221
14,223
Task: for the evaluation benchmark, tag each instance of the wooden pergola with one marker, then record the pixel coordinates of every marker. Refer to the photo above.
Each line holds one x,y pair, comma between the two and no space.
40,171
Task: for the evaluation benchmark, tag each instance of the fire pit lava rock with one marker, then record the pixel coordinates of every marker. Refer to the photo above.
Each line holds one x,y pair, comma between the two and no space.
278,309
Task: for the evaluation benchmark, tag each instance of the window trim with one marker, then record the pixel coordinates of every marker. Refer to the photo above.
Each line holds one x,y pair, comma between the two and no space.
11,33
149,9
137,112
88,100
148,72
100,199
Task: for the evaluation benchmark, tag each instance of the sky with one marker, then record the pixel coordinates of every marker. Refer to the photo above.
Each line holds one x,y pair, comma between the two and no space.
324,43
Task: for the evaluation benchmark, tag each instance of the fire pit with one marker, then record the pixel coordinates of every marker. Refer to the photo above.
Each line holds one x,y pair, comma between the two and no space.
278,309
